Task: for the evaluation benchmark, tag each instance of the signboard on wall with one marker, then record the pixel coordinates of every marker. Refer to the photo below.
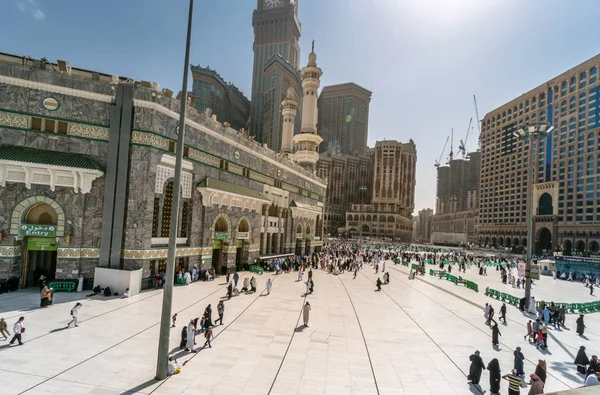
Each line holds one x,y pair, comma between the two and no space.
206,261
243,235
217,244
240,243
37,230
221,235
41,244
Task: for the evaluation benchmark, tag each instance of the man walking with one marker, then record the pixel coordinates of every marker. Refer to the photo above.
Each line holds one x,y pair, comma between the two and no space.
220,311
503,313
378,284
18,329
208,335
236,277
269,285
74,314
4,329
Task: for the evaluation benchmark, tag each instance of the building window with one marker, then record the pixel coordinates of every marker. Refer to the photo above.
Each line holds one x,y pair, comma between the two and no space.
184,220
166,213
155,217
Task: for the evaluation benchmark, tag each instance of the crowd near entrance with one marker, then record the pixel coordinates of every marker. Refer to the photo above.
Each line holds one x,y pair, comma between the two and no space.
38,229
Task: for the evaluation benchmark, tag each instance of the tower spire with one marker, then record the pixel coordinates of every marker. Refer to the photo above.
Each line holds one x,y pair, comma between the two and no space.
313,46
307,141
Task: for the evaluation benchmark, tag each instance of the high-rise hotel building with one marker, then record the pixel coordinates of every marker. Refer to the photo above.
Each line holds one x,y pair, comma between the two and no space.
566,175
393,194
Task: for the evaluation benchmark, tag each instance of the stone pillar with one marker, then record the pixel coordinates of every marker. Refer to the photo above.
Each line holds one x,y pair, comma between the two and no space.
263,244
276,243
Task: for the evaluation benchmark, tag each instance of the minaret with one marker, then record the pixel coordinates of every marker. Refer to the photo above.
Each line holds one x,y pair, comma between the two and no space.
308,140
289,109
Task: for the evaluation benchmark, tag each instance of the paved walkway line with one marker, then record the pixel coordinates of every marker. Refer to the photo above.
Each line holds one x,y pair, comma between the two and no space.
362,334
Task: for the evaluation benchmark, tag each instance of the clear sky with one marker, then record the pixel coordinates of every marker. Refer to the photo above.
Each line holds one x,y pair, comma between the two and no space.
423,59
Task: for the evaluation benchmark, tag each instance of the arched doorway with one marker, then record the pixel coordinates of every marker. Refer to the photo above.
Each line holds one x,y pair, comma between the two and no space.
39,228
308,238
364,230
544,240
299,235
545,205
594,247
580,246
221,235
507,242
242,235
493,241
567,247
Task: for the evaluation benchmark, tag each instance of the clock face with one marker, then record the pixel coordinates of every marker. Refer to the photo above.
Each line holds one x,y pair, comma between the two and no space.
272,3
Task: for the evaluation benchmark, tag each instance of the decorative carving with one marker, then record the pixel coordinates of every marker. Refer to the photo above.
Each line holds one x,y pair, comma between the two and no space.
163,173
261,177
13,120
76,253
203,157
88,131
149,139
159,253
10,251
236,169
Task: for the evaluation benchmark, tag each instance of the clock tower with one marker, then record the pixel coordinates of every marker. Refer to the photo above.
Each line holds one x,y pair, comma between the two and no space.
276,32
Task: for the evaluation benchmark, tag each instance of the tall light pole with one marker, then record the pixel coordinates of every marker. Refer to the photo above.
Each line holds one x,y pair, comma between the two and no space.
362,190
531,132
165,318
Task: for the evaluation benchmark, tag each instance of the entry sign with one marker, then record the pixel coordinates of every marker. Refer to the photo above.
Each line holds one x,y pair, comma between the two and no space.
221,235
37,230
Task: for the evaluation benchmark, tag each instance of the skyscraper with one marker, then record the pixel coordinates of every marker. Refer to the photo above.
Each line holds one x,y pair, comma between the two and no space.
226,101
393,193
344,118
276,32
566,184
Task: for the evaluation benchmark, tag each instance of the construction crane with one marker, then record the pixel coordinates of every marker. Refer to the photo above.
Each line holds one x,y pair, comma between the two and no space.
451,153
478,120
437,162
462,146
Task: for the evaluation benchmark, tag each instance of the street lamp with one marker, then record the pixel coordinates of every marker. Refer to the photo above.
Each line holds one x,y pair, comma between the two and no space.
362,190
531,132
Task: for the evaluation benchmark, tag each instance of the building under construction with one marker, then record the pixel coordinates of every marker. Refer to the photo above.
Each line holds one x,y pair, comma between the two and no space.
457,203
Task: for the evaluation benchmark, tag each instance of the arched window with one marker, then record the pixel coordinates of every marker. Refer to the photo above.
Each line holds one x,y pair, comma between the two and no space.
45,219
155,217
184,220
545,205
166,212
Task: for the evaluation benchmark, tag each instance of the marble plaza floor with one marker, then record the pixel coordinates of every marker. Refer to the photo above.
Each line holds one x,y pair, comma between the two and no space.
414,337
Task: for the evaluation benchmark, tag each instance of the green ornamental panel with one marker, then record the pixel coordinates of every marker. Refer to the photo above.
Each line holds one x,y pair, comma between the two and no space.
42,244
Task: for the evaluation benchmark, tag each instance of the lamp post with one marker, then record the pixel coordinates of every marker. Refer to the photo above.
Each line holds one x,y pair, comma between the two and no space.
165,318
362,190
531,132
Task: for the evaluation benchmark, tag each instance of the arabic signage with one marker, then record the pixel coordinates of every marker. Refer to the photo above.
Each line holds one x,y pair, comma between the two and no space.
240,243
308,236
37,230
217,244
41,244
243,235
578,259
221,235
206,261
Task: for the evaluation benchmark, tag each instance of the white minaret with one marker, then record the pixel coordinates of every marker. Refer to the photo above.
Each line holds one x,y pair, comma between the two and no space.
289,109
308,140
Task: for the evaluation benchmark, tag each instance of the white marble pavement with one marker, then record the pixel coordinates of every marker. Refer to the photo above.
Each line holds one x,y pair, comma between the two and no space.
412,338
